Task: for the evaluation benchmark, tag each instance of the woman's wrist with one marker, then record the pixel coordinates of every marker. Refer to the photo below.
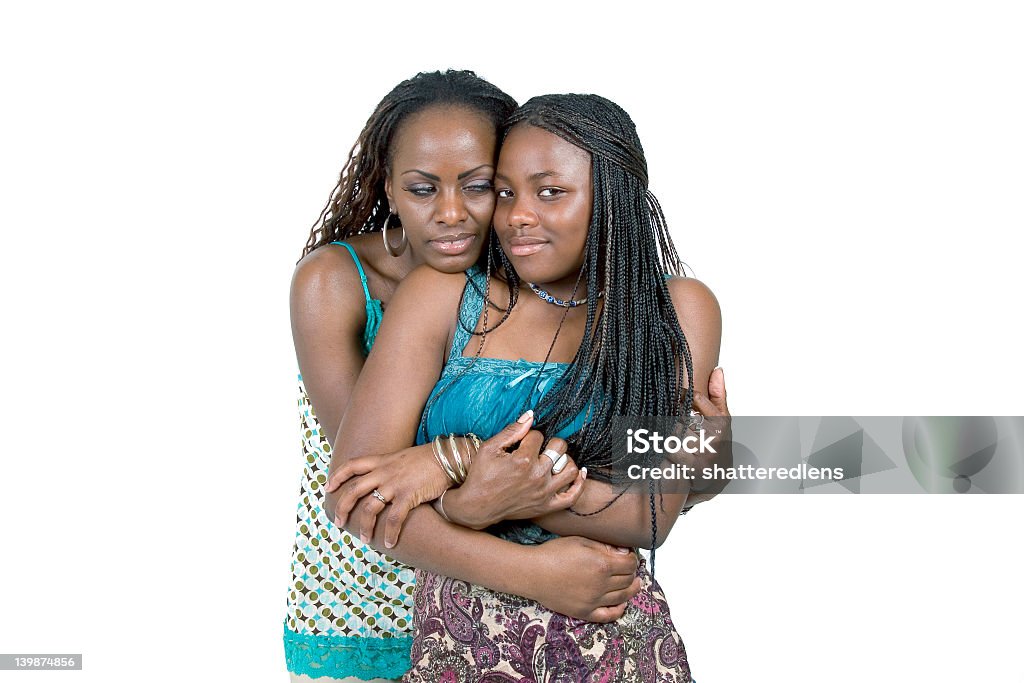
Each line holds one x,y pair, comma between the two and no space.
460,509
426,451
526,584
454,455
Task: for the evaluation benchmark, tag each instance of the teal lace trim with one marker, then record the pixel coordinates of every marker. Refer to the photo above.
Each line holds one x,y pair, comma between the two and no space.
502,366
341,656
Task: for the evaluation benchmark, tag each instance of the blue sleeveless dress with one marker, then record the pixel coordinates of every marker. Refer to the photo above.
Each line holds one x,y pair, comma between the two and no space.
349,608
465,632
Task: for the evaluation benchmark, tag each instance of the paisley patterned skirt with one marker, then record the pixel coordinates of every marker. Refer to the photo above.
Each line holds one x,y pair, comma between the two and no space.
464,633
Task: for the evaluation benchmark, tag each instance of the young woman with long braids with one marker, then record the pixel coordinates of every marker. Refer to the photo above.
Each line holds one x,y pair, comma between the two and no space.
422,168
576,319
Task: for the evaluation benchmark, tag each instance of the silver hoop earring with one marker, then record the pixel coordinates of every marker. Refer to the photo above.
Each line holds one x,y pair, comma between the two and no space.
402,243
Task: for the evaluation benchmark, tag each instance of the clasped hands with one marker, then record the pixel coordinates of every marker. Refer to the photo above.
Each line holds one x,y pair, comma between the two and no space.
510,478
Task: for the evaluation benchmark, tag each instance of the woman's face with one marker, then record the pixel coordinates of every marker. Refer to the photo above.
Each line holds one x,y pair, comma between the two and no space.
441,185
543,209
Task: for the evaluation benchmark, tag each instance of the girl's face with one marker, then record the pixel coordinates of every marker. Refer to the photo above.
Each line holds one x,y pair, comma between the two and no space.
543,209
441,184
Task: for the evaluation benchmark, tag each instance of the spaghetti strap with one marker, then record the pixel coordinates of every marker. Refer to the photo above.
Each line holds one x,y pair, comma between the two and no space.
359,267
374,309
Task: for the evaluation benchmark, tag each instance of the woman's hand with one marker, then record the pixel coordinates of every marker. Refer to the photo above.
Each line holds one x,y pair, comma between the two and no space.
714,408
713,403
512,479
405,479
584,579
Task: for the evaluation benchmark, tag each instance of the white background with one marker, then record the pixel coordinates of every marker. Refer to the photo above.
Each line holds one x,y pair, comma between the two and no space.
846,176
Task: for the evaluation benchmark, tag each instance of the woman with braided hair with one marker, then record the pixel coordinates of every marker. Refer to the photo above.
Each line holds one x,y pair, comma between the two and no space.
575,319
423,168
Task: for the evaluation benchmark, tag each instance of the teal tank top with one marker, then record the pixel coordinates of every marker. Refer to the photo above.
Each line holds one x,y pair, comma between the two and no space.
349,608
374,309
482,395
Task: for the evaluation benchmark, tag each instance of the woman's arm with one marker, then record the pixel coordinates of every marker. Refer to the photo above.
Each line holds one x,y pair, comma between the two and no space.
628,520
574,576
328,313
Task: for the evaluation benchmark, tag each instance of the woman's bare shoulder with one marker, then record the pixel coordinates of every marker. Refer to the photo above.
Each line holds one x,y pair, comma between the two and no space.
432,288
700,318
327,278
421,317
693,296
328,261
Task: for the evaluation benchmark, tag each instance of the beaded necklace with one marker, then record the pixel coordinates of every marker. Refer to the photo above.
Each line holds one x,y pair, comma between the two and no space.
551,299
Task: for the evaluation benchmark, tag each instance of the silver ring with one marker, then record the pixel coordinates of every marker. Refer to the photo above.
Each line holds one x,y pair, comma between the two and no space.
560,465
376,494
553,454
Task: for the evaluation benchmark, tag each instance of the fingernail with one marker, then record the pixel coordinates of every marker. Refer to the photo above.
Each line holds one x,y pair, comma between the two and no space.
389,543
621,550
583,472
363,539
525,417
